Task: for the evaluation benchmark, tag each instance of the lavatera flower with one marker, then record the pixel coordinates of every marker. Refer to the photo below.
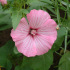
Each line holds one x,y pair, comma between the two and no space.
3,2
36,36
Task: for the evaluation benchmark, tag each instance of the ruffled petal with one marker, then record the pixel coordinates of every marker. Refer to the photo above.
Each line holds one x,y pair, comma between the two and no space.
48,28
37,17
21,31
27,46
43,43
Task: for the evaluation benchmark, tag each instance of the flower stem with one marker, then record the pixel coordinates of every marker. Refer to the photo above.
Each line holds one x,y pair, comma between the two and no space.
58,53
66,40
68,12
57,12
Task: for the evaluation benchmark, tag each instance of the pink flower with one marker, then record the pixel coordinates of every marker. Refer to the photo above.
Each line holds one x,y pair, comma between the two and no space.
3,2
36,36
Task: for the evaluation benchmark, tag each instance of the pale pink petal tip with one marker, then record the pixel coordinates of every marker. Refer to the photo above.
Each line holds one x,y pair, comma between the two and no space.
36,36
37,17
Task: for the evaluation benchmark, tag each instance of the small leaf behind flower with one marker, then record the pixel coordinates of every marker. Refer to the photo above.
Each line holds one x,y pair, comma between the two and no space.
15,50
16,17
64,63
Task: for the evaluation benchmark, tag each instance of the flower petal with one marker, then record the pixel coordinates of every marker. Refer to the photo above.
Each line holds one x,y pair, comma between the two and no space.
21,31
27,46
48,28
37,17
43,43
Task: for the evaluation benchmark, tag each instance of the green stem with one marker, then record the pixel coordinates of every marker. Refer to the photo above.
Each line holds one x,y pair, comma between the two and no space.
44,62
62,48
24,4
57,12
58,53
64,16
66,40
68,13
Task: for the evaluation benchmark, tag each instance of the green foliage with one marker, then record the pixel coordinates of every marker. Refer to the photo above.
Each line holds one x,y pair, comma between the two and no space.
44,4
64,63
7,48
5,21
23,68
42,62
60,39
25,11
16,17
1,8
5,51
47,1
64,3
16,59
37,3
8,65
66,23
15,50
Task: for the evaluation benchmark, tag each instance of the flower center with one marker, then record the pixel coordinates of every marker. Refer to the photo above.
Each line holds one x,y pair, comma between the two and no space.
33,32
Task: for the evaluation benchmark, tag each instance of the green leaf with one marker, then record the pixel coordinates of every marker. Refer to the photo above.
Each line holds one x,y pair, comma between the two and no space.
63,8
34,7
37,3
22,68
8,65
64,3
60,39
4,18
3,27
1,8
5,52
15,50
50,8
17,68
25,11
64,63
42,62
47,1
16,17
7,48
8,11
68,42
3,61
5,21
66,23
58,16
